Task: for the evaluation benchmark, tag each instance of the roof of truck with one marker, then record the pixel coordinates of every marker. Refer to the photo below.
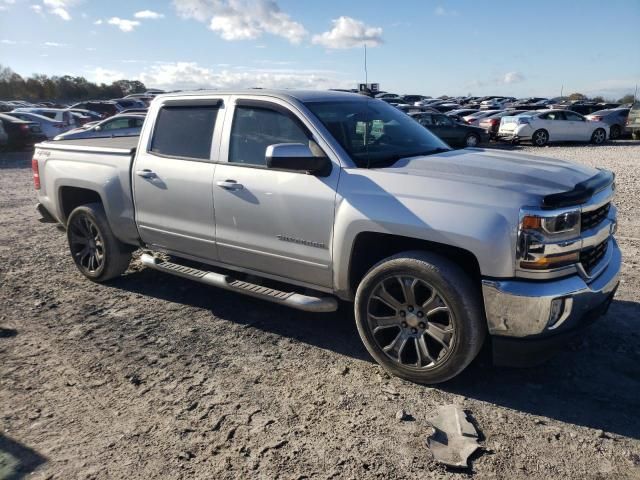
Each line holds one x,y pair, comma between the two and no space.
301,95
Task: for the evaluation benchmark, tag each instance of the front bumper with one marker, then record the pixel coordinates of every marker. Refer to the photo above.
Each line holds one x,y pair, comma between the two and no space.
523,308
526,330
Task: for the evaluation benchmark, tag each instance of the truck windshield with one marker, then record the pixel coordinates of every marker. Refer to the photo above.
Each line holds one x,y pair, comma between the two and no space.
374,133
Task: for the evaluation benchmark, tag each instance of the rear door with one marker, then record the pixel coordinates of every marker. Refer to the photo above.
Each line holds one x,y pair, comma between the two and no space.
277,222
173,177
578,128
445,128
555,124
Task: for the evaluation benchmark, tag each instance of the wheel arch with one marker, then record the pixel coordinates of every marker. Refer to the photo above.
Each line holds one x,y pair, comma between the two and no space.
71,197
370,247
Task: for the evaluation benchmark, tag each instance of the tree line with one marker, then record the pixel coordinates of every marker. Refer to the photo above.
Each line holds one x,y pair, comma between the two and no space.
40,87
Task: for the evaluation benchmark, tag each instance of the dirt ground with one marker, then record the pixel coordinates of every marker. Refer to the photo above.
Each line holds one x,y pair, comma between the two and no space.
154,377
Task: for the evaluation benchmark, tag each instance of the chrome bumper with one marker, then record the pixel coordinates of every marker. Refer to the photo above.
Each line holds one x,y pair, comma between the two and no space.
521,308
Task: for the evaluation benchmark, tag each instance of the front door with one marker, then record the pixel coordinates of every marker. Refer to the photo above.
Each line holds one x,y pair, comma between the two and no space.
173,178
272,221
577,126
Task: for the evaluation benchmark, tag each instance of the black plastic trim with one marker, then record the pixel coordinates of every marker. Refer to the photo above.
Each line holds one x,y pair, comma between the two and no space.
581,193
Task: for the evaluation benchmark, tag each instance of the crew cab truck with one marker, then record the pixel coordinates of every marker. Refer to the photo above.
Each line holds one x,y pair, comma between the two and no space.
303,198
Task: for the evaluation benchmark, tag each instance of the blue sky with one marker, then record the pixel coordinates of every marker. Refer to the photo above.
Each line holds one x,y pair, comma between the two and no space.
414,46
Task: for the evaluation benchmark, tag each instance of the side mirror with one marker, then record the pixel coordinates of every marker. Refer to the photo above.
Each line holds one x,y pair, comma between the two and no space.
297,157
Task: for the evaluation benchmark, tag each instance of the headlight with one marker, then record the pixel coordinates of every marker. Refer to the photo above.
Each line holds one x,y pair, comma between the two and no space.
566,223
545,239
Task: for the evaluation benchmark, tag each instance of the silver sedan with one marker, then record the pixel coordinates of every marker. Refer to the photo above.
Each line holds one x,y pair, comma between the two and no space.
116,126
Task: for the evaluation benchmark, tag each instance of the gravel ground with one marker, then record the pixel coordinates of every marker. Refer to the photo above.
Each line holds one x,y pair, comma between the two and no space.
153,377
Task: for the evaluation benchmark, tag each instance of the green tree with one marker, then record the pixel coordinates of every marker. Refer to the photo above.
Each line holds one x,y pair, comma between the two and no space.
628,98
577,96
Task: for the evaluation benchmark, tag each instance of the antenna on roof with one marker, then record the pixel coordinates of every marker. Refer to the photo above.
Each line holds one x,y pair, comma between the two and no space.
366,74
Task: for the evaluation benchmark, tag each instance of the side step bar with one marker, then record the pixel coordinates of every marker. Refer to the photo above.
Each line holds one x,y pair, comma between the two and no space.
290,299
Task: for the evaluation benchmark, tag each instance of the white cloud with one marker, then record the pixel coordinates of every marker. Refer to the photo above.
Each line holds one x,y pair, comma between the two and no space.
242,19
4,4
59,7
8,42
122,24
103,75
443,12
348,32
98,22
54,44
148,14
190,76
36,8
512,77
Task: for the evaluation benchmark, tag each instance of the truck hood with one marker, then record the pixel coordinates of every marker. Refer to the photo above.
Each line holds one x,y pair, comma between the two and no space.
530,175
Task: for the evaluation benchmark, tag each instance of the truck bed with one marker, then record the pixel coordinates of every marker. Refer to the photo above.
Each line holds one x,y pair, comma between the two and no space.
112,144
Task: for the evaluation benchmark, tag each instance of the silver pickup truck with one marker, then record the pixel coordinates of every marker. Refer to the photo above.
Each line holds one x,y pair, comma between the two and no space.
303,198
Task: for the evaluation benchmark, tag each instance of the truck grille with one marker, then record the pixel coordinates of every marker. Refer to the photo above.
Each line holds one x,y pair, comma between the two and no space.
595,217
591,257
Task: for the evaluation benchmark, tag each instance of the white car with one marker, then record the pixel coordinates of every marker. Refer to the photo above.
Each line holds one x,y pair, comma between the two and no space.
544,126
61,115
49,126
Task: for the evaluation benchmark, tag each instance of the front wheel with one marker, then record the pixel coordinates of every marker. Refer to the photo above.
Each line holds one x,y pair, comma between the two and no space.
472,140
615,132
420,317
97,253
598,136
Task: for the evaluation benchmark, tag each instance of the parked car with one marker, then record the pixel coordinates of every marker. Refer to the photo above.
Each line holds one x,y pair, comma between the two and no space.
496,103
448,130
491,123
474,118
90,115
583,108
458,113
420,238
49,126
21,134
415,109
547,126
60,115
116,126
446,106
4,137
616,118
412,99
126,103
633,122
104,108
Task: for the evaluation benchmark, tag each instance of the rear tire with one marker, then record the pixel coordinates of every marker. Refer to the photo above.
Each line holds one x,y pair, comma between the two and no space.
420,317
97,253
472,140
598,136
540,138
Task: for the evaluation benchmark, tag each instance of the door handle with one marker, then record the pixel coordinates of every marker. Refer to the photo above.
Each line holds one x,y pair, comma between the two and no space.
146,173
230,185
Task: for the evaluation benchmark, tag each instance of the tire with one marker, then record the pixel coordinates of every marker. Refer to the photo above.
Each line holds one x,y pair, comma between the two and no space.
95,250
598,136
472,140
540,138
615,132
451,328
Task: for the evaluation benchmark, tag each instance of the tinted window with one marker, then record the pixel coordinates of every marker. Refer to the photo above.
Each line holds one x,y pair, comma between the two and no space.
255,128
442,120
184,131
425,120
553,116
574,117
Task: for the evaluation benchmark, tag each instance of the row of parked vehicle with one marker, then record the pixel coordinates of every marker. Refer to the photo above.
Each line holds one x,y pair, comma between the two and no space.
470,121
23,124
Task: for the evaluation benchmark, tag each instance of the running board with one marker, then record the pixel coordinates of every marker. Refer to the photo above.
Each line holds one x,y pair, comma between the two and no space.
290,299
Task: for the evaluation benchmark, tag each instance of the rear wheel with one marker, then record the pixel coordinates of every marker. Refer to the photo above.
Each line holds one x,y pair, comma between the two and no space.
598,136
420,317
615,132
472,140
97,253
540,138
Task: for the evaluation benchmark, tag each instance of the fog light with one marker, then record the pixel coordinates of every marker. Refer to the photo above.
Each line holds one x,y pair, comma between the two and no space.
559,311
557,307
